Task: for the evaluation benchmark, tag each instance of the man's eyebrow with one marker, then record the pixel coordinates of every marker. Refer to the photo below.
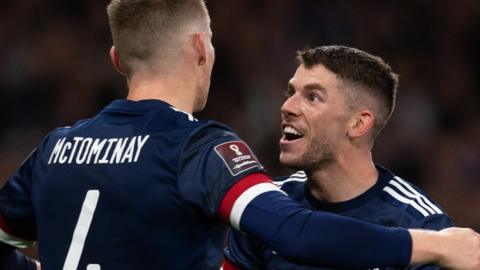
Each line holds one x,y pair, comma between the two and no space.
316,86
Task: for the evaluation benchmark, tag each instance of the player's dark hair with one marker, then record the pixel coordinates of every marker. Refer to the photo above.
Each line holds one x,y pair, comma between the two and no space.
369,73
141,28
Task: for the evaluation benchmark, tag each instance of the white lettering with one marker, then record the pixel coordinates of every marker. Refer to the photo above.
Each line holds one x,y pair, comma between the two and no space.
238,166
86,150
129,153
118,151
83,151
56,150
97,146
141,143
72,154
104,158
238,159
63,158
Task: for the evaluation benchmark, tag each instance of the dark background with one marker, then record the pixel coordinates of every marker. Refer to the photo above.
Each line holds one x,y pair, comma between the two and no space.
55,69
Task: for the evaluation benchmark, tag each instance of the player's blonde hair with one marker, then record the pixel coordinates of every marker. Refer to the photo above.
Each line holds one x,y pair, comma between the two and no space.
142,29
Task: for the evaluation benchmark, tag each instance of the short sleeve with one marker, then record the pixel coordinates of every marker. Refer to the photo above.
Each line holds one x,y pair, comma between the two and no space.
17,216
212,160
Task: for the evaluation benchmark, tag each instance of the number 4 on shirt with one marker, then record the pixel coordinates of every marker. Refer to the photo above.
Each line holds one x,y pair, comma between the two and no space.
81,231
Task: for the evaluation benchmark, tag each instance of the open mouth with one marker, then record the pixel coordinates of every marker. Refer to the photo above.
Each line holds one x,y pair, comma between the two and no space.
291,134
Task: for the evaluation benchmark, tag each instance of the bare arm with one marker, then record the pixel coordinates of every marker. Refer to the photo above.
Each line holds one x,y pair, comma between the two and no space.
453,248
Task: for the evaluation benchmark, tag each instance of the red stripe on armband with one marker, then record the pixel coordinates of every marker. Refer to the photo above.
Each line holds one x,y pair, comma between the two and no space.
227,265
236,190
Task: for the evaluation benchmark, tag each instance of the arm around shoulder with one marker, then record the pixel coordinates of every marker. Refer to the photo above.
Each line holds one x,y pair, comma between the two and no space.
453,248
311,237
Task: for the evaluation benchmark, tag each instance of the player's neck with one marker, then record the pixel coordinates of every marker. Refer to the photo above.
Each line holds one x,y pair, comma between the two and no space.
344,179
171,88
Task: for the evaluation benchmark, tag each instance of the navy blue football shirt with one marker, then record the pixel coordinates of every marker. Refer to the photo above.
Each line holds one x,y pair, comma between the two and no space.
392,202
145,186
136,187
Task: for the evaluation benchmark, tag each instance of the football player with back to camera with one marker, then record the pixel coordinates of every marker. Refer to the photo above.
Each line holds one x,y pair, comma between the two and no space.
338,101
145,185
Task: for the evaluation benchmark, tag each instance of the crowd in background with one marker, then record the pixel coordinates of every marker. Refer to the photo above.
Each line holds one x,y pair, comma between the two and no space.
55,70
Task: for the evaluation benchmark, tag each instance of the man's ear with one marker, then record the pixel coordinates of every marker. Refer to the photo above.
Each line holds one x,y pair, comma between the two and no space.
360,123
200,47
116,61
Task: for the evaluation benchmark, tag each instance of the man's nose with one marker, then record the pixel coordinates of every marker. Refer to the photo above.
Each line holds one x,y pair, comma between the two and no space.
290,106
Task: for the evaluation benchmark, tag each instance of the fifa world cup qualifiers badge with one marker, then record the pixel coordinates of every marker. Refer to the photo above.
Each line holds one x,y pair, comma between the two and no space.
237,156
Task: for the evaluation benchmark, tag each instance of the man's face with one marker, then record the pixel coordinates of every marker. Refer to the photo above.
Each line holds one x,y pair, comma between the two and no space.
314,119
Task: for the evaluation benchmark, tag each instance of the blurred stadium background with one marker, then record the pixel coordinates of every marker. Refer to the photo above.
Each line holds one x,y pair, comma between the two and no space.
55,69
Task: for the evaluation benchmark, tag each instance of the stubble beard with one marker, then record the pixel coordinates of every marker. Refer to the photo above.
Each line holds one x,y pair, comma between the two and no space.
318,154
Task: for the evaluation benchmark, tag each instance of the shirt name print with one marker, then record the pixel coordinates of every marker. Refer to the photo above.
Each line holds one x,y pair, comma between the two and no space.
85,150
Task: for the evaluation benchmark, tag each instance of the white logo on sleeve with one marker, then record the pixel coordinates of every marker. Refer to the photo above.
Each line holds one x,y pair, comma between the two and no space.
236,149
237,156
